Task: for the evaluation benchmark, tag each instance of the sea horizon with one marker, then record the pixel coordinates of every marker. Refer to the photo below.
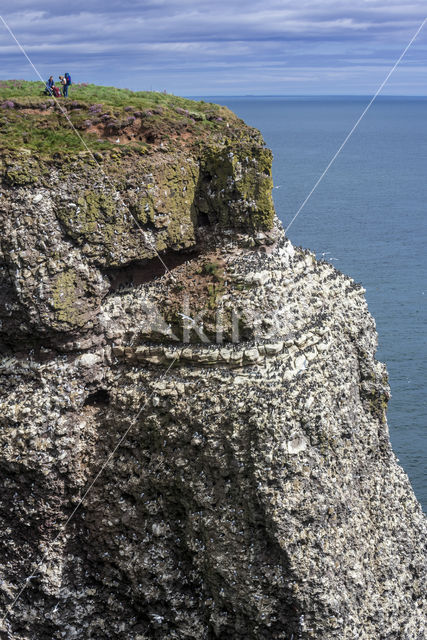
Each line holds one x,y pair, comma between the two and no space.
308,95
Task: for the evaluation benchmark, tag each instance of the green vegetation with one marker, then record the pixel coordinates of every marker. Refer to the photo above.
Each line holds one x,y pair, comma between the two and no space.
239,174
171,158
101,115
212,269
91,93
64,298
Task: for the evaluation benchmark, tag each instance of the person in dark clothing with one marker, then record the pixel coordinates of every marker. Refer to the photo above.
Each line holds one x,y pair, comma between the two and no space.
67,84
49,86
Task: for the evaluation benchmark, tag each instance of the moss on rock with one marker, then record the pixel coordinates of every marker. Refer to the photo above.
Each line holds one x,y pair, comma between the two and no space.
20,176
65,296
220,175
98,223
236,187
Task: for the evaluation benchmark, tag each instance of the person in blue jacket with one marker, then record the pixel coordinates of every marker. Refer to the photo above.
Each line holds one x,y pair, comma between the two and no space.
49,86
67,84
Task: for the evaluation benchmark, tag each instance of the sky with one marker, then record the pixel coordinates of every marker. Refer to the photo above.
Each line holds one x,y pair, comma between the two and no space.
220,47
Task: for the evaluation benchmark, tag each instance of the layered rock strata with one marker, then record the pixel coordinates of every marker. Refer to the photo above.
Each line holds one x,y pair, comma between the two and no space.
252,491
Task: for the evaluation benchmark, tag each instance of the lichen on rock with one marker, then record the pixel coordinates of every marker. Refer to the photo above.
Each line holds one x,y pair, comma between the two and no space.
236,186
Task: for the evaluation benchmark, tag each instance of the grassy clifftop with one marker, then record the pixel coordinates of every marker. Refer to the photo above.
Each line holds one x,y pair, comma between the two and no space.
164,154
107,117
177,170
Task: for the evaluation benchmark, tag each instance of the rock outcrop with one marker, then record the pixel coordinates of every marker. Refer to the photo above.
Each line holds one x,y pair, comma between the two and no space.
224,422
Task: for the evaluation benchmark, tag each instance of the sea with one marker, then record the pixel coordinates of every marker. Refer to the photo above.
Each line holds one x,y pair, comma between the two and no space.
368,218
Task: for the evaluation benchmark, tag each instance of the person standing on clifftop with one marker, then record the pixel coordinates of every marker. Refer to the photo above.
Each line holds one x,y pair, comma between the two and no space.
64,86
67,78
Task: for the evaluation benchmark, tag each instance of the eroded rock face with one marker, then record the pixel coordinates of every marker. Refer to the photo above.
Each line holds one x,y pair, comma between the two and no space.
251,491
70,229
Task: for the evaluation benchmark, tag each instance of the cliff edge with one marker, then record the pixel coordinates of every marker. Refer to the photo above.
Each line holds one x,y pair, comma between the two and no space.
252,491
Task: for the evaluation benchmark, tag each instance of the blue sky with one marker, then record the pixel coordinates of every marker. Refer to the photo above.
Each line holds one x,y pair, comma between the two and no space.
221,47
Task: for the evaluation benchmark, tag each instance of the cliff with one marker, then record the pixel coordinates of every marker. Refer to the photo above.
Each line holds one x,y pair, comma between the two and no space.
252,491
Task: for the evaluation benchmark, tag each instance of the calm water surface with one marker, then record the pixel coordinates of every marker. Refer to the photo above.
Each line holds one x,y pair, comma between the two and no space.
368,217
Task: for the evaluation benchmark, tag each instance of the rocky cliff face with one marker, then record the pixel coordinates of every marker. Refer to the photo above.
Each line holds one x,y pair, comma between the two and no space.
252,491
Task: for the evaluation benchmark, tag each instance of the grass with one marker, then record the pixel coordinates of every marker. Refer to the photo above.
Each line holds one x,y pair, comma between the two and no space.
212,269
42,135
30,120
91,93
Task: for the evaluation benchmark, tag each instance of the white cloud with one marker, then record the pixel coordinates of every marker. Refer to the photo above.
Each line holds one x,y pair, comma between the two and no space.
110,40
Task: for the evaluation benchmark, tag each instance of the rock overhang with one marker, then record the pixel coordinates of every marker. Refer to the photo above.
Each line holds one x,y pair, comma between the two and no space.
90,217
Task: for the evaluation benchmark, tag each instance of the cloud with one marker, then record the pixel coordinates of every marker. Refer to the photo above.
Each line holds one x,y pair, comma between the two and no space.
167,41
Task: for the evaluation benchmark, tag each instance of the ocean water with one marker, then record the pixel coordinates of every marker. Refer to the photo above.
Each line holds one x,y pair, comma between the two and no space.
368,217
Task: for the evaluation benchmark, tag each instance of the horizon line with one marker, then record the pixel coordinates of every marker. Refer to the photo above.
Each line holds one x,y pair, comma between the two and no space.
303,95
